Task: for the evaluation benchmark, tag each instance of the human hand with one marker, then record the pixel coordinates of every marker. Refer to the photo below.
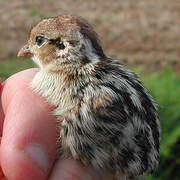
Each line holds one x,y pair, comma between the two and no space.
28,145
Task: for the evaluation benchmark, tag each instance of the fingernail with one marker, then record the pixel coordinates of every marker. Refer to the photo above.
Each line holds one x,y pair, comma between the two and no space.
37,154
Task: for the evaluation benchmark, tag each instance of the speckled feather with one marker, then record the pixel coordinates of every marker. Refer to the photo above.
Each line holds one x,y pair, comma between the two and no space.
106,118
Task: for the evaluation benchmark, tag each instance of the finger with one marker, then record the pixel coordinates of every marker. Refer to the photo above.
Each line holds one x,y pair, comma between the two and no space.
28,143
70,169
14,83
10,87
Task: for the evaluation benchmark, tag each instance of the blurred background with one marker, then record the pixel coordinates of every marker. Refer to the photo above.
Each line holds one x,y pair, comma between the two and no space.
143,34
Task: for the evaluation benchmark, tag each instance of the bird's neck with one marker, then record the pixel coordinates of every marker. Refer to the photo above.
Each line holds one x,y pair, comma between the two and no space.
61,87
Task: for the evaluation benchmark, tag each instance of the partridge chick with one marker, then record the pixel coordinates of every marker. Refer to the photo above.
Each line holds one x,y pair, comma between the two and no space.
106,118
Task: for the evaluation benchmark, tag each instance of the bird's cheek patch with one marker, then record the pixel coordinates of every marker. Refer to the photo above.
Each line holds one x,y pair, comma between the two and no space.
47,55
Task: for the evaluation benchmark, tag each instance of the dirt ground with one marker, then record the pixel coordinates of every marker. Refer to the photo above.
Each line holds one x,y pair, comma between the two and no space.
135,31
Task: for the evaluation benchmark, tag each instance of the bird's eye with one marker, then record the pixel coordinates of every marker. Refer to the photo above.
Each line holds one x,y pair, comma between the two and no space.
39,40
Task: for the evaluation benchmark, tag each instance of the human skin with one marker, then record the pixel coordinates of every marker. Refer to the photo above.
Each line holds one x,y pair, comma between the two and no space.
28,130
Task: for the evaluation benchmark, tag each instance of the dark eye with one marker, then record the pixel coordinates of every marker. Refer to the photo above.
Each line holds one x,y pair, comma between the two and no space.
39,40
61,46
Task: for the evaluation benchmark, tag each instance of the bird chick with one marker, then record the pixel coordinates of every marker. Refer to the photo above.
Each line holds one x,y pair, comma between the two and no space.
106,117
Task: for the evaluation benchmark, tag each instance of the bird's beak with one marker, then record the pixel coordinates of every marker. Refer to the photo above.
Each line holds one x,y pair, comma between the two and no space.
25,51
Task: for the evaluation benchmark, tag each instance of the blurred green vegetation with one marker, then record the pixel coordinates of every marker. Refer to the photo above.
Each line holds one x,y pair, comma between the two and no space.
35,12
9,67
165,88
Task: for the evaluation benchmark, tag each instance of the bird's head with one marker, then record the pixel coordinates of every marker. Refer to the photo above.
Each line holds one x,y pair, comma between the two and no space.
63,40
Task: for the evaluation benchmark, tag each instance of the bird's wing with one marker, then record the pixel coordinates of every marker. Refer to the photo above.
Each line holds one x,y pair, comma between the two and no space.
127,114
